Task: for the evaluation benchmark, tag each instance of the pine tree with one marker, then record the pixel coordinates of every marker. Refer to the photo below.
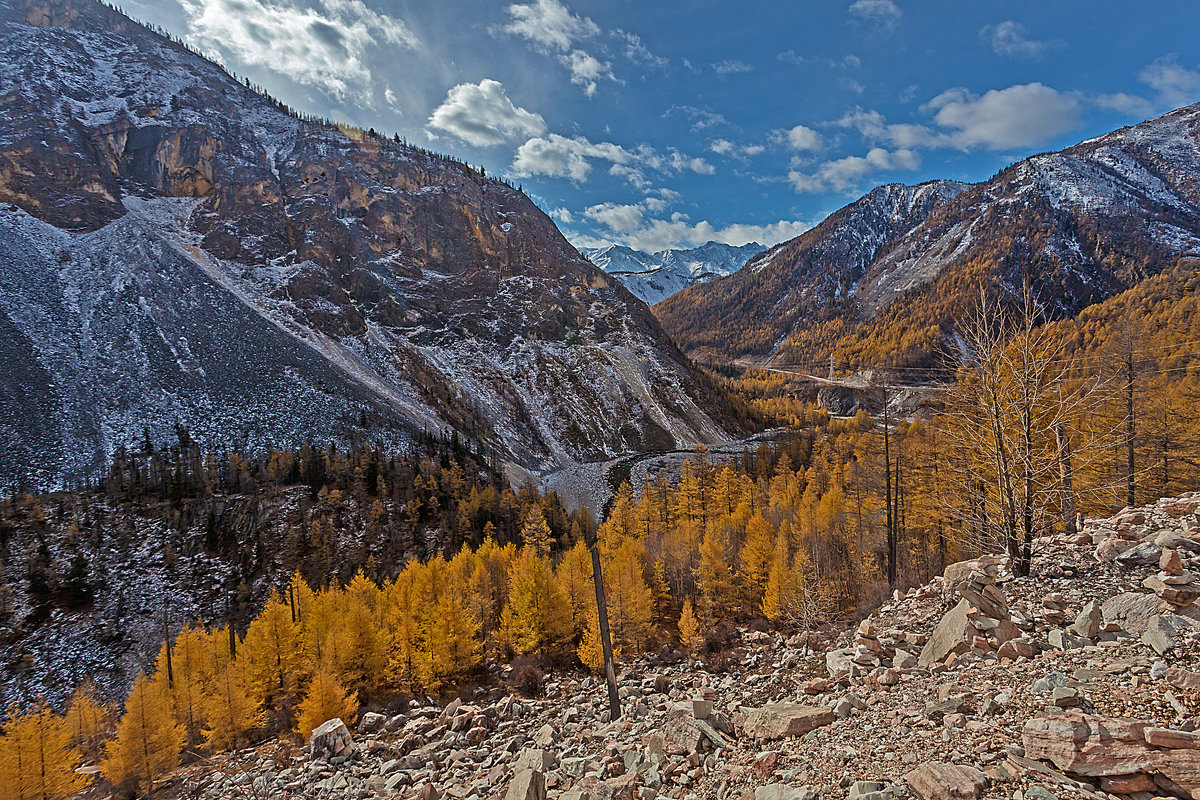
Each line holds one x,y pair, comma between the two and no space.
325,699
148,740
37,758
689,628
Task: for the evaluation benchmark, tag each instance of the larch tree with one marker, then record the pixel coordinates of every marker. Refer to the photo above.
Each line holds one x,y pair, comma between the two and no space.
38,758
451,649
690,636
325,699
148,740
227,709
756,561
86,719
535,531
540,619
273,653
188,655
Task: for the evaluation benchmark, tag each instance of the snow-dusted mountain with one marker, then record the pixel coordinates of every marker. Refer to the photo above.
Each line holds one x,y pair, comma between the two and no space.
885,278
656,276
176,248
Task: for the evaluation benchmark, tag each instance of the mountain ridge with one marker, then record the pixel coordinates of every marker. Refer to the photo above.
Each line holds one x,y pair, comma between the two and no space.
400,289
653,277
1077,226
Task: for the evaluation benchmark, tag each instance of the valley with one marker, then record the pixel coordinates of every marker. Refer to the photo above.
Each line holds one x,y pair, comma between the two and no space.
332,465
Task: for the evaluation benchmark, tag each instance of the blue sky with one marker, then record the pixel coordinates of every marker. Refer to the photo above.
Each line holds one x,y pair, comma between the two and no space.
663,124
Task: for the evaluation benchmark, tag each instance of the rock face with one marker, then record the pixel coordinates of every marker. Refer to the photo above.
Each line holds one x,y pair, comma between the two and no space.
653,277
785,720
182,249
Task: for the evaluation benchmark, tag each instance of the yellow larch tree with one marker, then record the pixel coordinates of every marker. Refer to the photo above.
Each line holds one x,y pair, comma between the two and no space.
188,674
325,699
535,532
755,562
689,628
715,579
227,709
363,660
86,719
451,649
540,618
630,602
574,574
273,653
37,757
148,740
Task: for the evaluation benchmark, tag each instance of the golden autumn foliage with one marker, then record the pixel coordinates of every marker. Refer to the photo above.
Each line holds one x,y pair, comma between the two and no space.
37,757
325,699
148,740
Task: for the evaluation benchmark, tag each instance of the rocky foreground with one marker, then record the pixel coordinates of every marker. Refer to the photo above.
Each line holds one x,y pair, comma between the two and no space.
1081,680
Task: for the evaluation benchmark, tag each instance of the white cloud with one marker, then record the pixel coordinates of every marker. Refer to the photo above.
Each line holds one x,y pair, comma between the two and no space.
1124,103
844,174
884,13
730,66
637,51
630,225
1175,84
561,157
724,147
563,215
586,70
802,137
324,45
483,115
548,24
1008,39
701,118
1019,116
874,128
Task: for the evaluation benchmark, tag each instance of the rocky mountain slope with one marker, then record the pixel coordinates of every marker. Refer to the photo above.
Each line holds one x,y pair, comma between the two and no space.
1080,680
176,248
884,278
654,277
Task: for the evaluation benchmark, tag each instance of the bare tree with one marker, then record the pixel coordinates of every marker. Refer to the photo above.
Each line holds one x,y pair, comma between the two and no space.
1010,418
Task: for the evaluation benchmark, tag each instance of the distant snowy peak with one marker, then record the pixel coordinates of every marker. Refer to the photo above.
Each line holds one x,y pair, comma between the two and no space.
653,277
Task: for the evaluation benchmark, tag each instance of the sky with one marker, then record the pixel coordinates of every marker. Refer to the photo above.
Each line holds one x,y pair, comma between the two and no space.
669,124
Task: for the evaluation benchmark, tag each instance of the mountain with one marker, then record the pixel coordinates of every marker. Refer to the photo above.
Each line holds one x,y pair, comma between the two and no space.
177,248
654,277
883,279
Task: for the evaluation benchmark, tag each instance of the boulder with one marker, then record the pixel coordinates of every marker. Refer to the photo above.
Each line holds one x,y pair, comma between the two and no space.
1088,745
1130,610
1087,624
781,720
1172,739
527,784
953,634
371,722
1063,640
1169,540
330,739
1161,629
940,781
1144,555
1016,648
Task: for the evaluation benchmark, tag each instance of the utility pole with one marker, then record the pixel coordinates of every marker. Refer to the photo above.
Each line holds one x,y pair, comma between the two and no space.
610,673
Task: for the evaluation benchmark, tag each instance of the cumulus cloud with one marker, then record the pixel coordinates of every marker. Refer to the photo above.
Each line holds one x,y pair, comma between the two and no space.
845,174
631,224
883,13
1124,103
1019,116
551,27
548,24
586,70
1009,38
323,44
1175,84
483,115
802,137
724,147
559,156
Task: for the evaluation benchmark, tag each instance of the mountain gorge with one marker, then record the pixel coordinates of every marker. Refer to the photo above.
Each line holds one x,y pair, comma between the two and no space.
654,277
883,280
179,249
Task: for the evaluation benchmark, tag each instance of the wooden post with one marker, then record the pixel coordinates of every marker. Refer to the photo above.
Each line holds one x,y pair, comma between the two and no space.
610,673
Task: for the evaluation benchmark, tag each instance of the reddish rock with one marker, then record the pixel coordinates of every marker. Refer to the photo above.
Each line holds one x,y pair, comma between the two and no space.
1172,739
785,719
939,781
765,765
1088,745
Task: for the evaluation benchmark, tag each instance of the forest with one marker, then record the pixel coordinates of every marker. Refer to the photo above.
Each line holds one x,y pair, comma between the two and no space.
451,574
